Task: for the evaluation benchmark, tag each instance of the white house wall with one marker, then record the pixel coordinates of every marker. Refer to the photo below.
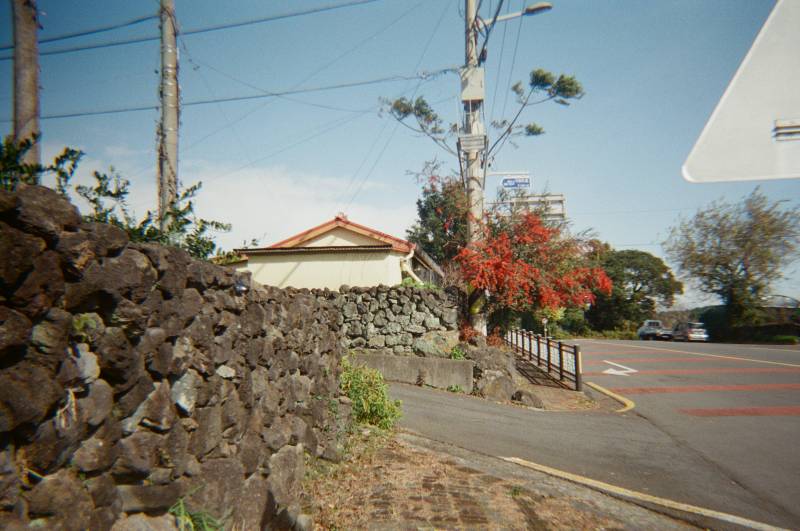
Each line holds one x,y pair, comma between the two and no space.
325,270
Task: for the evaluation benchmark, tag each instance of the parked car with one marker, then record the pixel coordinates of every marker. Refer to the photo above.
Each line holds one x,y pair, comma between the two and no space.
654,329
690,331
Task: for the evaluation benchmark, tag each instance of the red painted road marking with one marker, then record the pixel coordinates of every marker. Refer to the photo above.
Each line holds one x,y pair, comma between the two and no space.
703,388
711,371
774,411
651,360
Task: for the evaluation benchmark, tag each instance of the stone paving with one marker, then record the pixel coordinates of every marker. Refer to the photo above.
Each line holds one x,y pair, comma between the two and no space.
403,485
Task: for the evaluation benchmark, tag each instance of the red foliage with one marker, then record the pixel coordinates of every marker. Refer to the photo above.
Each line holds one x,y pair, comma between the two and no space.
495,339
530,265
466,333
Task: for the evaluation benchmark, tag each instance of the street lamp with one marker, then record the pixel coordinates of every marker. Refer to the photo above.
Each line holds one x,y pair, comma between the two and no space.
533,9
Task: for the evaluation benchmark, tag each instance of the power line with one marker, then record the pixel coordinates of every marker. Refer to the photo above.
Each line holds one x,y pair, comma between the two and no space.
86,33
422,76
513,61
197,31
396,125
326,65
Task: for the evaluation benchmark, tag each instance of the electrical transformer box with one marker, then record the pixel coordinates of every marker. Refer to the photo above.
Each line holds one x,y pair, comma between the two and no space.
473,87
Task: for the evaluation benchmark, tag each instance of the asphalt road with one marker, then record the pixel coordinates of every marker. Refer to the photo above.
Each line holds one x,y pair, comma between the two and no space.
714,425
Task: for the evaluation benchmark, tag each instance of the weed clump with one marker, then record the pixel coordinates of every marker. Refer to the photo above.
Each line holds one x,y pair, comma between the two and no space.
368,391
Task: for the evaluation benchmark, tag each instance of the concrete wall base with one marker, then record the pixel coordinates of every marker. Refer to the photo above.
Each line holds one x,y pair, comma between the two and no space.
435,372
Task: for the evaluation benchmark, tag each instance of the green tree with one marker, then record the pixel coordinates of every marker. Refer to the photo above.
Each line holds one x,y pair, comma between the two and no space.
107,198
736,251
640,282
542,87
441,227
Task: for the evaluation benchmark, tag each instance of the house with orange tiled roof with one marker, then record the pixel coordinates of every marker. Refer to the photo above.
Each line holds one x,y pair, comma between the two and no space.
335,253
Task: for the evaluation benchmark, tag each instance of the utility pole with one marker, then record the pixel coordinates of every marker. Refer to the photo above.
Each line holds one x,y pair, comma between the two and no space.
170,109
26,76
472,142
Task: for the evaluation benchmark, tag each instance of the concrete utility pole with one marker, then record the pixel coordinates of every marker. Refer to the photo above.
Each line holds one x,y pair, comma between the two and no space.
170,109
472,79
26,76
472,142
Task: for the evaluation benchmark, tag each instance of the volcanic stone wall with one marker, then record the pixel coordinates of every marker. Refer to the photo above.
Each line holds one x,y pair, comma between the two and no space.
132,376
402,320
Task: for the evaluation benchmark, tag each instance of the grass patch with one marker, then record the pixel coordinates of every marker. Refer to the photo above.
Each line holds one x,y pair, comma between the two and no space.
457,353
187,520
455,388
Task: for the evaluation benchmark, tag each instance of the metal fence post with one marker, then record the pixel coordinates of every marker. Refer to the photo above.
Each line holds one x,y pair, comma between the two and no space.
547,345
560,361
538,350
578,379
530,345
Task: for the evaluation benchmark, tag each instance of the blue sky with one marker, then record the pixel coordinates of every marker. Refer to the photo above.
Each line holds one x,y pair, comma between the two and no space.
653,72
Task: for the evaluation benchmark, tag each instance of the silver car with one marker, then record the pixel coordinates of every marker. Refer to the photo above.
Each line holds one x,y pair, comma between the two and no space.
690,331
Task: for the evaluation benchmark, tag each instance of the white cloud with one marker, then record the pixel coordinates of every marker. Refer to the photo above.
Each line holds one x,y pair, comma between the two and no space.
273,203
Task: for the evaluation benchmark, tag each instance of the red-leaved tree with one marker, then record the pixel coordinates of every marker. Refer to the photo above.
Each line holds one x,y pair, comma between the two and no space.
526,265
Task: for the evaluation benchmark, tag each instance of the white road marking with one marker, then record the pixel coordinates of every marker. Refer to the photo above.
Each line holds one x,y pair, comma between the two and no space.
642,497
617,372
706,355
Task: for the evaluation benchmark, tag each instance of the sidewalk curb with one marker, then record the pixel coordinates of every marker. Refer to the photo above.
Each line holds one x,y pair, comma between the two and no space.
627,403
690,513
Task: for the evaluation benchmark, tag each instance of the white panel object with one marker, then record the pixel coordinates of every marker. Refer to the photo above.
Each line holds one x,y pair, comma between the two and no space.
473,87
754,133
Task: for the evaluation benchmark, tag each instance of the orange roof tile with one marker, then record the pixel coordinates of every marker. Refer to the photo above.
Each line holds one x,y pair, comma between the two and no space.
341,220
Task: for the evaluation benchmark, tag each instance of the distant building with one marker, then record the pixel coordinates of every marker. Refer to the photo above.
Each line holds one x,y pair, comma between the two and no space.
338,252
551,207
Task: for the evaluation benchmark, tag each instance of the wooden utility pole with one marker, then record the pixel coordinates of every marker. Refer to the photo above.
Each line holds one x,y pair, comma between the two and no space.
170,109
26,76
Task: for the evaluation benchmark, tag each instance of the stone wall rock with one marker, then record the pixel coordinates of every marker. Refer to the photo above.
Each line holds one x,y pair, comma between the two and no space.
401,320
133,376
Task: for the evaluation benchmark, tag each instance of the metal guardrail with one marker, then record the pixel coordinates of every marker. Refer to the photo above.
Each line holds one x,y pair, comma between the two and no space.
559,360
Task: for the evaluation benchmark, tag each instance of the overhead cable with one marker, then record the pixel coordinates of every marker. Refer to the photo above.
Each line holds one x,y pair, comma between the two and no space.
86,33
196,31
389,79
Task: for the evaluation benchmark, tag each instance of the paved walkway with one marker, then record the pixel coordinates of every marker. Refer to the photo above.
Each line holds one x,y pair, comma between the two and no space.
416,483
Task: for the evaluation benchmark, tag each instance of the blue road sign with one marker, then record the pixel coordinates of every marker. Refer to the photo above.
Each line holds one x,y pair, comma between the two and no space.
516,182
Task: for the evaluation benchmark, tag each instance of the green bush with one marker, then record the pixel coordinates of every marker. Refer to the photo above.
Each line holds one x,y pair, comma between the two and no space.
368,391
455,388
409,282
778,339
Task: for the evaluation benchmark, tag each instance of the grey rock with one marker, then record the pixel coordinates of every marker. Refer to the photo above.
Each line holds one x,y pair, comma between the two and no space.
137,454
184,391
527,398
377,341
63,498
155,412
98,403
88,368
226,372
417,330
496,385
95,453
432,323
286,475
149,498
15,329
